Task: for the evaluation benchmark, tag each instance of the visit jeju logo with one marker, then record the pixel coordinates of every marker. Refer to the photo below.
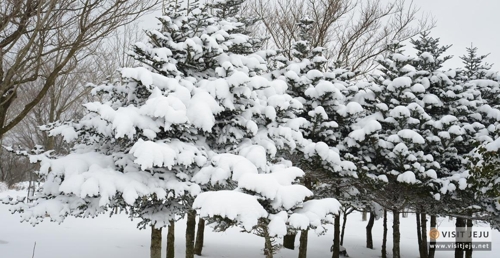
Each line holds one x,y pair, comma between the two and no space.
434,234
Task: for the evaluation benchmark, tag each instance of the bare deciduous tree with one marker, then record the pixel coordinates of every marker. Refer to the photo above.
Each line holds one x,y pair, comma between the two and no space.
13,168
354,32
40,40
64,99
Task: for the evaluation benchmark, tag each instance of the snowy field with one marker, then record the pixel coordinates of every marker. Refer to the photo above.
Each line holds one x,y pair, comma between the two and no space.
106,237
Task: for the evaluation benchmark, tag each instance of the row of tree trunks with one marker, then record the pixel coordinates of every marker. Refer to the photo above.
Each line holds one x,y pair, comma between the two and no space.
338,239
156,236
191,249
155,248
194,243
421,219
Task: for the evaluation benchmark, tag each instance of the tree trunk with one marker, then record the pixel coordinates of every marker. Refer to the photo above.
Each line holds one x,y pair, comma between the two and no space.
268,244
4,110
308,182
303,244
190,231
31,188
468,251
384,238
423,219
171,240
369,227
459,252
336,238
343,227
419,234
396,235
289,241
155,248
200,236
432,249
364,215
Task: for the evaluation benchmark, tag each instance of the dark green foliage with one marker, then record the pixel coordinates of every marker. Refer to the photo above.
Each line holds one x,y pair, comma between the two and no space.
434,59
475,67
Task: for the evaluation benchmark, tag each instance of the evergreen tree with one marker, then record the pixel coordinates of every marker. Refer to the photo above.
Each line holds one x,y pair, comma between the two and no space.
394,163
325,121
451,106
197,96
223,59
301,78
449,133
477,74
429,53
485,180
474,65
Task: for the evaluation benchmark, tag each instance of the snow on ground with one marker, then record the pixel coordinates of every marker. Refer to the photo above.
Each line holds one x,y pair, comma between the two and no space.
118,237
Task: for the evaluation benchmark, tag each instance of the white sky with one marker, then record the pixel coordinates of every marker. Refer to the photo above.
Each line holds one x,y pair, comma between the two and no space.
462,22
459,23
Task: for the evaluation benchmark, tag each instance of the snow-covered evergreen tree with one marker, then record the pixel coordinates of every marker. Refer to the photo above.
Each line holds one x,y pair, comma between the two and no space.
325,121
485,180
280,119
481,198
429,53
136,150
449,134
211,123
197,102
474,66
393,160
478,74
266,204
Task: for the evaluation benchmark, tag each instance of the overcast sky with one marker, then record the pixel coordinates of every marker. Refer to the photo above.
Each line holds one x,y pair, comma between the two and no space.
462,22
459,22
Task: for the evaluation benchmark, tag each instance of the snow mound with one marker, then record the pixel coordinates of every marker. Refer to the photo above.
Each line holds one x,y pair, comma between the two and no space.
313,212
277,187
224,167
233,205
407,177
